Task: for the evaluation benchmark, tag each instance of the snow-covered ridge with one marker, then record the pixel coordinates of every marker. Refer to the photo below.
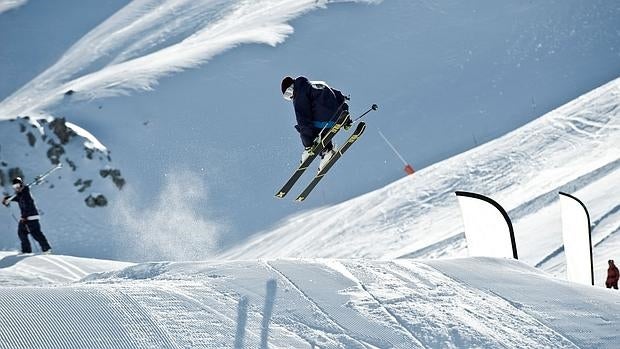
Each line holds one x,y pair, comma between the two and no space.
149,39
575,148
312,303
6,5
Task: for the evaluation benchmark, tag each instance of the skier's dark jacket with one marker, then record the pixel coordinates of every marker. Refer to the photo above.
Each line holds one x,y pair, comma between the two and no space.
26,203
316,105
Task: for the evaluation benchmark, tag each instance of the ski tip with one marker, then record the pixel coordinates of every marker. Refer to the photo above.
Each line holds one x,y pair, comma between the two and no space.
375,107
300,198
280,195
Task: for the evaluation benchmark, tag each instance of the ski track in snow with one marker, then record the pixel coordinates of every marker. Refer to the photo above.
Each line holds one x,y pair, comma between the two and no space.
150,39
320,303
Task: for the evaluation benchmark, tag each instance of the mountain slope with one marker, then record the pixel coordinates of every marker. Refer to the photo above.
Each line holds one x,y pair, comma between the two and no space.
481,68
573,148
313,303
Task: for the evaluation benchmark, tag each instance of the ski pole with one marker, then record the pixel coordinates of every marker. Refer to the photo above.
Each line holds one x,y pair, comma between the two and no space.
373,107
38,179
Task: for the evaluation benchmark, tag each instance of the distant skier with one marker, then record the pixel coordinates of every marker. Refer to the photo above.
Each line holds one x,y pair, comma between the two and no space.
316,105
29,221
612,275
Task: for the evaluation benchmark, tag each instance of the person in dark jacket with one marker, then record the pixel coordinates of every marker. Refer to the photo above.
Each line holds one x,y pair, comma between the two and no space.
612,275
29,221
316,106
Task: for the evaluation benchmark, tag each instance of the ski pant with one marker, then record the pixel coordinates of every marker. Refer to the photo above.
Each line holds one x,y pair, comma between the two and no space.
309,134
612,284
33,228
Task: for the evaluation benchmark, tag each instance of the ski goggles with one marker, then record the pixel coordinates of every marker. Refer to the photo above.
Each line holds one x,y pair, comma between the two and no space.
288,93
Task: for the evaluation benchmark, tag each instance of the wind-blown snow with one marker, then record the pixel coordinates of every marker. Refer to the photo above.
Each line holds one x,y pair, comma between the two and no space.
173,35
462,303
575,148
170,228
6,5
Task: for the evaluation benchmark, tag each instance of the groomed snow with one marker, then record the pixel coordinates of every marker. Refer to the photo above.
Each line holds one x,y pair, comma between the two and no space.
323,303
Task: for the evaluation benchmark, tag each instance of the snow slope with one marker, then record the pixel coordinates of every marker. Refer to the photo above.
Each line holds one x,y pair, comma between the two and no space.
446,74
575,148
42,270
149,39
7,5
485,303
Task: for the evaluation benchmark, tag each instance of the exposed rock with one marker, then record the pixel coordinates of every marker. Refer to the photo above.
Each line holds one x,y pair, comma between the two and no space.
31,139
61,130
2,178
71,164
89,152
55,152
15,172
22,128
98,200
115,174
83,184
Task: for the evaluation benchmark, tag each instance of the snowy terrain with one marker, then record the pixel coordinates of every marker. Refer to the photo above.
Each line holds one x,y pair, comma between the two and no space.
447,75
386,269
460,303
575,148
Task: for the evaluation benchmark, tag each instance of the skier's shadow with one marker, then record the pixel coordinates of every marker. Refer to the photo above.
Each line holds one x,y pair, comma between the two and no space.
11,260
242,316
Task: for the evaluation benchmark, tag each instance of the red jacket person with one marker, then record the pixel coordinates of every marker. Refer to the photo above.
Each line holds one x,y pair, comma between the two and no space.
612,275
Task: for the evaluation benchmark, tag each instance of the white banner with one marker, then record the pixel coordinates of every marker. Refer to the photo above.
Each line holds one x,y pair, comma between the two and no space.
488,229
577,242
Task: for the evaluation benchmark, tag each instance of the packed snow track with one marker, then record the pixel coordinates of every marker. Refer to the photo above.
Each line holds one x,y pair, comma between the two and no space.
321,303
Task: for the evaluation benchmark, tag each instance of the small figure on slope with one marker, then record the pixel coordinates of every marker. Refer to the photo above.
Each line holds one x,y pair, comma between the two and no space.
316,106
612,275
29,221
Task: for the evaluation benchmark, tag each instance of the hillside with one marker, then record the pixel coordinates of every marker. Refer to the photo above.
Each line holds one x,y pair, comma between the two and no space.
185,95
575,148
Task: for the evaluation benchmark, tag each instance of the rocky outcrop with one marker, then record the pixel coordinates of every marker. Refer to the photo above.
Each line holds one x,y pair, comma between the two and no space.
28,145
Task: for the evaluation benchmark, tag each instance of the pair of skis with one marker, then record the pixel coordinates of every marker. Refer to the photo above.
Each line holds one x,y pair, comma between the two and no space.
325,137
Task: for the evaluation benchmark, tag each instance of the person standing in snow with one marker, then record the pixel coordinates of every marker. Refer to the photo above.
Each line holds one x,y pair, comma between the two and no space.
29,221
316,106
612,275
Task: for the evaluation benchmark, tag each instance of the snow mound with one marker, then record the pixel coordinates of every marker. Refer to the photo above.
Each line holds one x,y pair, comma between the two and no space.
323,303
44,270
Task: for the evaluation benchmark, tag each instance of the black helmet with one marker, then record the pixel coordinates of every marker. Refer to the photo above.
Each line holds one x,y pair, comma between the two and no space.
18,180
286,83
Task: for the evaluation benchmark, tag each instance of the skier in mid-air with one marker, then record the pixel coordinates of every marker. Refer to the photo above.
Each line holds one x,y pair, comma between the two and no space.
29,221
316,106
